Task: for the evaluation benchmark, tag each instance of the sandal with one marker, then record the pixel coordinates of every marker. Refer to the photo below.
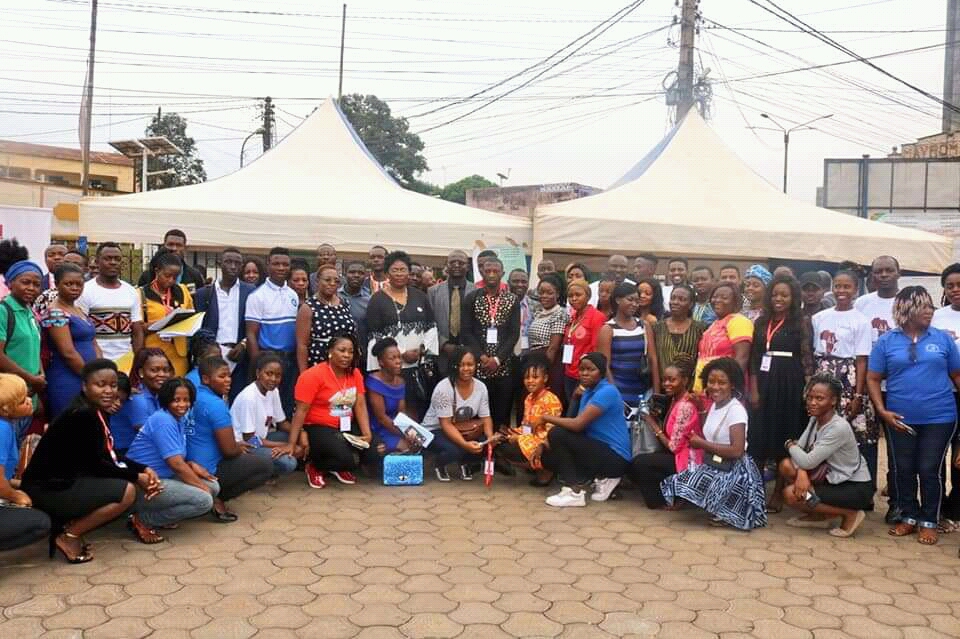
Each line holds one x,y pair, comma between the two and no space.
84,555
928,536
143,533
224,517
948,526
902,529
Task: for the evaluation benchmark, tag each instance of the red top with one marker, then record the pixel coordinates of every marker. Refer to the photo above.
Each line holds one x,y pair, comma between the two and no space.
329,397
582,331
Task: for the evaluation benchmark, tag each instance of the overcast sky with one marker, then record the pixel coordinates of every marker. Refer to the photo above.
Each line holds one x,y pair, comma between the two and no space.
587,120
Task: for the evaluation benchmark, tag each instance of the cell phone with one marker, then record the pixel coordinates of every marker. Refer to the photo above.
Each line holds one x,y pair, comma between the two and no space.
909,430
811,499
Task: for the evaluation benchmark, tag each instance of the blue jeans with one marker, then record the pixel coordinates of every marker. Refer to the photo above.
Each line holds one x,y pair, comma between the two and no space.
177,501
290,373
446,452
920,458
282,465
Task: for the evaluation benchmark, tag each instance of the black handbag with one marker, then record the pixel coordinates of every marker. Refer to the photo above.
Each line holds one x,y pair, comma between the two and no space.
718,462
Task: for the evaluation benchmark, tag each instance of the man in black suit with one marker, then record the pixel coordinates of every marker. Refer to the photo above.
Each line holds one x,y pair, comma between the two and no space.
176,240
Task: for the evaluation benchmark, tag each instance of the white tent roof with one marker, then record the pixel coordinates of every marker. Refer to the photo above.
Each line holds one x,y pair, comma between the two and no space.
318,185
691,195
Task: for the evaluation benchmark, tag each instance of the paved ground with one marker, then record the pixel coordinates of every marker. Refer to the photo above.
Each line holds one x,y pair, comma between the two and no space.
458,560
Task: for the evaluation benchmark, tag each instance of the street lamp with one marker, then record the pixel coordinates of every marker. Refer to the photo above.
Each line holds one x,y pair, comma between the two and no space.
786,139
244,145
144,148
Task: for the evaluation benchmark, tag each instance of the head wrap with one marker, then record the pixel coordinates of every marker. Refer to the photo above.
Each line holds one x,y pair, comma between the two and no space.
599,360
19,268
760,273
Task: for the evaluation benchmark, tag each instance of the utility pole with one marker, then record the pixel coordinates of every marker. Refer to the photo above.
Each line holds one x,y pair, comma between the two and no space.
951,68
86,109
268,123
688,36
343,35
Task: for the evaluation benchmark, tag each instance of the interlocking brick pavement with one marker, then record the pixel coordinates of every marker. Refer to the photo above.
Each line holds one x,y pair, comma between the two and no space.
459,560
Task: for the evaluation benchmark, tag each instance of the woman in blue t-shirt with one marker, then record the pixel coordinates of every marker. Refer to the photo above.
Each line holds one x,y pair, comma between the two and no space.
921,366
593,447
150,370
188,489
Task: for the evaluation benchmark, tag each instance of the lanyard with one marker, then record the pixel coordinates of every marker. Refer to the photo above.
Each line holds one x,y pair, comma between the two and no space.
493,308
574,326
772,330
165,298
109,438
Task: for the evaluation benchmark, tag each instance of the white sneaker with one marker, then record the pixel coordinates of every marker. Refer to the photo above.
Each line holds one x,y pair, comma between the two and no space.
567,498
602,488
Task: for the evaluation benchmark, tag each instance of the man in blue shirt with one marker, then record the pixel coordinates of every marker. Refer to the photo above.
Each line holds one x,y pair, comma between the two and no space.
188,489
271,322
211,442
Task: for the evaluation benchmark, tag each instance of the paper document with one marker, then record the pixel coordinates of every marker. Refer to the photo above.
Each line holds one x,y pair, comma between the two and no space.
172,317
406,425
183,328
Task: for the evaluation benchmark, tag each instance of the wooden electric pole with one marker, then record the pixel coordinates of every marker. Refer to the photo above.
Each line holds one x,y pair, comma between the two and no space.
685,70
343,37
86,109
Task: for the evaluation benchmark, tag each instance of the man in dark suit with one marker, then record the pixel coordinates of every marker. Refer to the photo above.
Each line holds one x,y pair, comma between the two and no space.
446,300
225,305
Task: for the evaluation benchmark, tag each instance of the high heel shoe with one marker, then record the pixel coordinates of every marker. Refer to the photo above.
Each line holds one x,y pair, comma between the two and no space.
82,558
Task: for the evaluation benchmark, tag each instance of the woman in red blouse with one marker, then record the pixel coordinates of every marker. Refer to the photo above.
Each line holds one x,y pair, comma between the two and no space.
580,335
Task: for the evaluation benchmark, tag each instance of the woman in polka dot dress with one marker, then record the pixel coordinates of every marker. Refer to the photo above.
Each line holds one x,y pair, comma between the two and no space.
321,317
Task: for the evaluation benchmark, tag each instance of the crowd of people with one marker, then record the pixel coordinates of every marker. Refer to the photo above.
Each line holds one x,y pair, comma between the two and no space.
702,391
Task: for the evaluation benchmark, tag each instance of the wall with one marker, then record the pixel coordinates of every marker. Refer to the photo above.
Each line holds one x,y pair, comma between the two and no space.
521,200
119,177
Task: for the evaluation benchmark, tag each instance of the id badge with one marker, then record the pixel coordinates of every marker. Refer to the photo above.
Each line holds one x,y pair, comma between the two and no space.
488,467
567,354
345,423
524,342
526,429
765,363
492,335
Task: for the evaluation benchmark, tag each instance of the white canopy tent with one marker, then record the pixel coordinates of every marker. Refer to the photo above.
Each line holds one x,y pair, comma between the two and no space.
319,184
692,196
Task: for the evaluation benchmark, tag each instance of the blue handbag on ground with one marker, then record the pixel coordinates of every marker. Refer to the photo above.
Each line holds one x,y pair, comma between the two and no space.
402,470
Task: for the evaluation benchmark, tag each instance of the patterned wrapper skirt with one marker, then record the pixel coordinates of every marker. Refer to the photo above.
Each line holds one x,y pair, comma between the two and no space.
734,496
865,425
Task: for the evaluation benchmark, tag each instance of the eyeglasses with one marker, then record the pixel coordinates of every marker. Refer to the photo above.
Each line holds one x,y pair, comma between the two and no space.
913,352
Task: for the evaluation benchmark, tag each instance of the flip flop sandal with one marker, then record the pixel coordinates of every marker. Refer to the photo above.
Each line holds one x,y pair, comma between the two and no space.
928,536
902,530
143,533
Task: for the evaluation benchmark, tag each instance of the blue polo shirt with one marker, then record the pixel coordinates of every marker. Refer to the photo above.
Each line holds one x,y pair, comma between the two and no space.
210,414
921,391
9,454
193,377
274,308
138,409
161,438
611,427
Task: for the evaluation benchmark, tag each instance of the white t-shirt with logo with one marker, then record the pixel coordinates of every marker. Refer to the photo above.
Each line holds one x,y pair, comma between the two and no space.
948,321
843,334
254,412
113,312
879,312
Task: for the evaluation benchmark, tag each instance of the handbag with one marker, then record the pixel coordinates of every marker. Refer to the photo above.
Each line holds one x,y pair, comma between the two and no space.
643,440
471,429
817,475
718,462
401,469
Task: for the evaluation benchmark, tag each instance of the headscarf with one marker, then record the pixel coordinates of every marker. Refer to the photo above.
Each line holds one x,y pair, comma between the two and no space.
759,272
909,302
599,360
20,268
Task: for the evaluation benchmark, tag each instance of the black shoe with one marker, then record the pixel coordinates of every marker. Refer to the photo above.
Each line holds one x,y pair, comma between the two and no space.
893,516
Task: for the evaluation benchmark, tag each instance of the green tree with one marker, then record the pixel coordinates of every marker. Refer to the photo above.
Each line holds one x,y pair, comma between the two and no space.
388,138
457,191
184,169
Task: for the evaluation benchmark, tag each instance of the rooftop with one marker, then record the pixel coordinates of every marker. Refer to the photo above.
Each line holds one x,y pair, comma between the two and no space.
62,153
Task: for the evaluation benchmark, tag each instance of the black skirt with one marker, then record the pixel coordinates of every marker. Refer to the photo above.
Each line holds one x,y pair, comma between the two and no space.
82,497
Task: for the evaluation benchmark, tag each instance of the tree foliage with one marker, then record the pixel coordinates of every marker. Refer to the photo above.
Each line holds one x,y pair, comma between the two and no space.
457,191
388,138
186,168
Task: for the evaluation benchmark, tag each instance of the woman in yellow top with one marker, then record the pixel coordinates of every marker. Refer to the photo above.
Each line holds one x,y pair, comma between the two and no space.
521,443
162,295
730,334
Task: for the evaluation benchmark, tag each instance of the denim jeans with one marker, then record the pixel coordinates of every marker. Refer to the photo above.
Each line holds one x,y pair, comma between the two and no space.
282,465
177,501
445,451
920,458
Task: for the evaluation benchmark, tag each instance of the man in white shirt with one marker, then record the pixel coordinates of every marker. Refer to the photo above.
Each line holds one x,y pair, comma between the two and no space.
617,266
878,306
113,305
676,274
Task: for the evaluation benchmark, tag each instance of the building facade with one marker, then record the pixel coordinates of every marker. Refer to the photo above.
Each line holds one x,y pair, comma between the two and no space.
522,200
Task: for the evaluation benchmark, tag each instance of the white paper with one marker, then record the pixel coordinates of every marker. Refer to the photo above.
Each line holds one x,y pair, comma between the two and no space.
567,354
406,424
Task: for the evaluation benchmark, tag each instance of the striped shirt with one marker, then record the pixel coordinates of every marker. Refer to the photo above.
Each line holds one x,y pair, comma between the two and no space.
628,354
274,308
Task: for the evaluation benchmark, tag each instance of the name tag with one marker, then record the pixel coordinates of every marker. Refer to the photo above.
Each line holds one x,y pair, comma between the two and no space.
492,335
524,342
567,354
527,430
765,363
345,423
488,468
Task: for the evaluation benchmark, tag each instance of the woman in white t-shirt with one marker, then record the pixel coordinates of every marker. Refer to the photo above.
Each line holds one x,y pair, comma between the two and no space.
728,483
947,319
257,415
842,339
